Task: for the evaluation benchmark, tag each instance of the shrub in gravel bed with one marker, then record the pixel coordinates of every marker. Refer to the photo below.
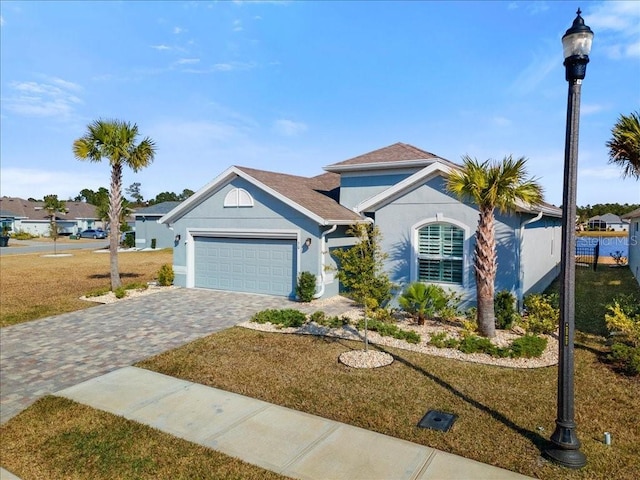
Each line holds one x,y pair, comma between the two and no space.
529,346
283,318
390,330
321,318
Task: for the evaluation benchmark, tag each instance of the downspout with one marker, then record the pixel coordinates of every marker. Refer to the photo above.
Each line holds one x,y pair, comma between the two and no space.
322,244
520,291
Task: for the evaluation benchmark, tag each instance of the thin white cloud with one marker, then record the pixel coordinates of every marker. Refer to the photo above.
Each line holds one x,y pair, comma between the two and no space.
604,173
230,66
1,21
288,128
617,28
188,61
533,75
161,47
501,121
178,30
57,98
237,26
591,108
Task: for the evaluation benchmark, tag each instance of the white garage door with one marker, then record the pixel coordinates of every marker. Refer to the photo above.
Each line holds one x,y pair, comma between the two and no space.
246,265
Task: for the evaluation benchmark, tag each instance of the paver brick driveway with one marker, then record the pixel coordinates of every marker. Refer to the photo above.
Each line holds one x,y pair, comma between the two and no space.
47,355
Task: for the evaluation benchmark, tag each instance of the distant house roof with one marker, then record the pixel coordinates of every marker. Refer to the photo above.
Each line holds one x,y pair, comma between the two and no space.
26,209
156,210
607,218
7,214
633,214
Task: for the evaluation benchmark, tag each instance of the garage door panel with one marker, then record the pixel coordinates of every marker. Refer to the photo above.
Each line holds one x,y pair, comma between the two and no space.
246,265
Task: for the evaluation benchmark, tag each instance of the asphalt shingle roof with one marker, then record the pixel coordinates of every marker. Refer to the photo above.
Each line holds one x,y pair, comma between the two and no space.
398,152
22,208
157,209
306,192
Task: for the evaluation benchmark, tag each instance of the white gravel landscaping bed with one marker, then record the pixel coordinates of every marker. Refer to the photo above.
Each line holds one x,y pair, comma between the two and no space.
349,332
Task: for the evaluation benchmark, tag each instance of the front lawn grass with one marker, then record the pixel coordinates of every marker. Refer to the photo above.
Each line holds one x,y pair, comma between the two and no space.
505,416
33,286
59,439
594,290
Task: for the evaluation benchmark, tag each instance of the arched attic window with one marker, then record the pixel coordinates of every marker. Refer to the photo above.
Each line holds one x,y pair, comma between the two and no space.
238,197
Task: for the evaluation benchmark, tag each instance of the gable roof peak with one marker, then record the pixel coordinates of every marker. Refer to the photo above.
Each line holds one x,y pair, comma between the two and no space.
396,155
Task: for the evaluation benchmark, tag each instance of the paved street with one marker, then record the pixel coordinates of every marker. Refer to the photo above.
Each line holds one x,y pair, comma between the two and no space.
47,355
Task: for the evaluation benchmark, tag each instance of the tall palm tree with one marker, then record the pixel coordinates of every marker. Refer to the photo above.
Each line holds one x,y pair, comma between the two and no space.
115,140
490,185
624,146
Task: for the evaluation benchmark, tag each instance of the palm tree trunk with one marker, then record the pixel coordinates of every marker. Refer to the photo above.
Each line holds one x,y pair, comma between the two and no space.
115,208
486,272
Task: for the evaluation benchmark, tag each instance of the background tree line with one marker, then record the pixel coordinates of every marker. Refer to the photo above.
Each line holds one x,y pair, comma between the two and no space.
100,197
588,211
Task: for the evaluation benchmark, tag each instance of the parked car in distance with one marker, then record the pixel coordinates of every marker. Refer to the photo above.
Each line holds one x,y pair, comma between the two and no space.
93,234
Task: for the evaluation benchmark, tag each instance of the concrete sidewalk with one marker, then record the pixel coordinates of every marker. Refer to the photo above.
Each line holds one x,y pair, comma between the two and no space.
279,439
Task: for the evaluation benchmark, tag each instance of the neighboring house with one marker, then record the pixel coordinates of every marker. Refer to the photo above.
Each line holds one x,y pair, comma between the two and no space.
147,227
634,242
608,221
31,217
254,231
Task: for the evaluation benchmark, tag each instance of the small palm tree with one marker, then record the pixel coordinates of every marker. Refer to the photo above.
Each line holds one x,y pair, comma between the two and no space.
624,146
115,140
422,300
490,185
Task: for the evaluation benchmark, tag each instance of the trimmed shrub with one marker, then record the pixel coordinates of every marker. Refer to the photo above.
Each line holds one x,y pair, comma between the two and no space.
165,275
120,292
306,287
542,314
476,344
529,346
320,318
287,317
626,357
623,318
390,330
505,309
440,340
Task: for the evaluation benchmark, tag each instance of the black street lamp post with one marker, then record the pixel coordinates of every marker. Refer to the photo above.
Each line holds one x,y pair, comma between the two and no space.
565,448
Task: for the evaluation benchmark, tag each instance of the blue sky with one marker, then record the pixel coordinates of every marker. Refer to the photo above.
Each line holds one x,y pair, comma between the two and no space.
295,86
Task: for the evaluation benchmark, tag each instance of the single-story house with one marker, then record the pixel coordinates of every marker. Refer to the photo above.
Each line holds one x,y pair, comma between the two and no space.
147,227
634,242
255,231
31,217
608,222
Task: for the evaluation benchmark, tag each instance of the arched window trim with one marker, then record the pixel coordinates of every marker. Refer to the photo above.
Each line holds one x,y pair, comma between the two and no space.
238,197
441,219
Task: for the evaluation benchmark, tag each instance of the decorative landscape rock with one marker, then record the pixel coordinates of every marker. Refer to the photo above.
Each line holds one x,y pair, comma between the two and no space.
365,359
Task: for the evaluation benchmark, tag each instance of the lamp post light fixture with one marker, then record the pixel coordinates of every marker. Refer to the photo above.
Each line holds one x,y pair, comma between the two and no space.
565,448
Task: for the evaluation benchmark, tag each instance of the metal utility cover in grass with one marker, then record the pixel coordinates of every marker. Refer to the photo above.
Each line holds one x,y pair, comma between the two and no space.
437,420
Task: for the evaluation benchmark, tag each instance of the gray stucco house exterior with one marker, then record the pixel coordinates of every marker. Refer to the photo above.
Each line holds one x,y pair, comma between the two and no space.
634,242
254,231
147,227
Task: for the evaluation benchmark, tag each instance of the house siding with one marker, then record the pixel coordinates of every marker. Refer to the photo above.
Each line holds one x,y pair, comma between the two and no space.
355,188
149,228
430,203
540,254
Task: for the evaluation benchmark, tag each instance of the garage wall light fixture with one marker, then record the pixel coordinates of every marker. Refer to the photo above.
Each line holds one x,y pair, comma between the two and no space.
307,242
